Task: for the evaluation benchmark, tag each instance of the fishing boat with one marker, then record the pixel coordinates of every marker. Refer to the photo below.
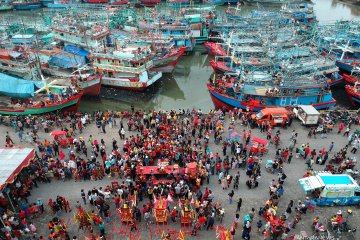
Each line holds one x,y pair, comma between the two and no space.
271,2
255,98
149,3
26,5
222,2
350,79
29,99
165,54
59,4
118,3
18,63
178,3
86,35
214,48
5,5
126,67
45,3
97,1
89,84
353,93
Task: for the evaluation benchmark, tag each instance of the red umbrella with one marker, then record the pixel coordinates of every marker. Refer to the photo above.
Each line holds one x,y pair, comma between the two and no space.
58,133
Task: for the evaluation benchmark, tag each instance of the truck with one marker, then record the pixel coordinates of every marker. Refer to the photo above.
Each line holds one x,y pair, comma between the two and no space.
330,189
307,115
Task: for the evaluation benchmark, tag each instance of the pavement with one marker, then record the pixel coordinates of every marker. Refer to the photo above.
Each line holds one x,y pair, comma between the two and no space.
253,198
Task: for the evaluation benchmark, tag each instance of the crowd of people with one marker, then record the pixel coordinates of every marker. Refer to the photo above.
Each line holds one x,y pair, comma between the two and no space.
146,139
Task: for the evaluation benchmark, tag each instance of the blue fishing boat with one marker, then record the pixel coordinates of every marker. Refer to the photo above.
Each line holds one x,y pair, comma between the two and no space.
222,2
59,4
26,5
255,98
46,2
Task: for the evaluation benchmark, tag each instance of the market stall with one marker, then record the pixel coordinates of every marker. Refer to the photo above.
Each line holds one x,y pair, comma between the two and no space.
12,161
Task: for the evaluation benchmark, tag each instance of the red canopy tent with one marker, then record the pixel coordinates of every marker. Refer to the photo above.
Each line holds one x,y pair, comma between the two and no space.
12,161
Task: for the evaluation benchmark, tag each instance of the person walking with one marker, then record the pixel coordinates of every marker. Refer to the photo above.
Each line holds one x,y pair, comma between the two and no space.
83,196
231,195
210,222
102,229
238,208
347,131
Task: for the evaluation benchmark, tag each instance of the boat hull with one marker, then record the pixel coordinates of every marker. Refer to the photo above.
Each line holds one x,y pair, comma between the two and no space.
168,63
344,66
117,3
220,67
214,49
27,6
6,8
127,84
91,87
349,79
222,101
46,2
97,1
71,105
354,97
58,5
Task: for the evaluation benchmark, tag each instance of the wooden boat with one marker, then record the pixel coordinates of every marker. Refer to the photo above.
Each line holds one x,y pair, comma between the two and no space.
88,37
350,79
26,5
256,97
353,93
5,6
165,54
149,3
117,3
126,68
97,1
59,4
214,48
90,85
18,64
27,101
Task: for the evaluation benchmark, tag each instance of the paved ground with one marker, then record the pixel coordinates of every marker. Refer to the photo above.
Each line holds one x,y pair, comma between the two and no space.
251,198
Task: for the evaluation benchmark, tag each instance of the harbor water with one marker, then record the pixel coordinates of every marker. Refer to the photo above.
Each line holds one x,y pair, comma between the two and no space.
186,87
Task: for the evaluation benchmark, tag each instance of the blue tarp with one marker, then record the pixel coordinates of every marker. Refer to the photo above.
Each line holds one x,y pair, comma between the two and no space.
67,61
17,87
76,50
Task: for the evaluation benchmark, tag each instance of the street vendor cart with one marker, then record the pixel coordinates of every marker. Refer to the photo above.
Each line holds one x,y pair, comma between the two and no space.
259,146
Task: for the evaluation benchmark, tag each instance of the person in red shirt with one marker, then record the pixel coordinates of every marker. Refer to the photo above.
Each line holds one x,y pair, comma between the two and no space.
307,151
173,214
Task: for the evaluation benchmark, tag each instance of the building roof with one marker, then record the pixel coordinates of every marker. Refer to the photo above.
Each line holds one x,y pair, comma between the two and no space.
12,161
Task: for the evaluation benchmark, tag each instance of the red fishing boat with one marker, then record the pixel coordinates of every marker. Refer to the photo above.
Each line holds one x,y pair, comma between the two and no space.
213,48
90,85
351,79
40,105
117,3
149,3
97,1
353,93
166,63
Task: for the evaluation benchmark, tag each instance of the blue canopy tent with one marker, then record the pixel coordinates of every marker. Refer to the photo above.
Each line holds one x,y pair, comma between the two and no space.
67,61
76,50
17,87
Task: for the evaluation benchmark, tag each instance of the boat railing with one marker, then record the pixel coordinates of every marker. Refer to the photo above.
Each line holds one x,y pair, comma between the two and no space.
120,68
